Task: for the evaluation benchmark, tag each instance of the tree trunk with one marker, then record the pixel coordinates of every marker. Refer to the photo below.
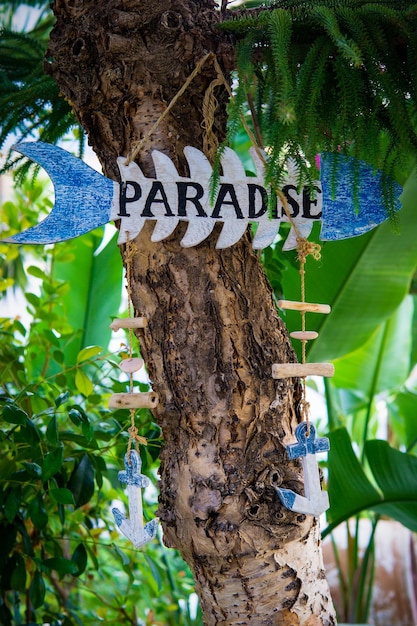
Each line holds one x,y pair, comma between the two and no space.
213,329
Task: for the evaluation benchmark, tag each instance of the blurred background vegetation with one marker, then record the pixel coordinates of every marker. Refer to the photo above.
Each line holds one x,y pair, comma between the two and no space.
62,561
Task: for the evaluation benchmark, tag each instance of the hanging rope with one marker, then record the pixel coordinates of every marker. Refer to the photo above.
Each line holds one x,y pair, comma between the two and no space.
129,252
210,147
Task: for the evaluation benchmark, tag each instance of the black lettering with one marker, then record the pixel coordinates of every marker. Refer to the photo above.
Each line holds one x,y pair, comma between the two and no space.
308,202
252,189
124,198
291,201
157,187
183,199
227,188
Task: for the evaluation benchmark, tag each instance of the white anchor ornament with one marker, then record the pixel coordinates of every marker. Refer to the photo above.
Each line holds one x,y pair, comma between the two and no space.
133,528
315,501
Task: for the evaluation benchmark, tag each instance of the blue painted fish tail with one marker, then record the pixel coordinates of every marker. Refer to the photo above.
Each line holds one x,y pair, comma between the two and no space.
83,197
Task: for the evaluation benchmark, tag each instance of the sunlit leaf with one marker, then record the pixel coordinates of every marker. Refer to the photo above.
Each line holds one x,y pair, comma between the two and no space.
88,353
83,383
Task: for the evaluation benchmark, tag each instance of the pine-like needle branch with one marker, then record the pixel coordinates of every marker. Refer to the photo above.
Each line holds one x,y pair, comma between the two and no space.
331,76
30,103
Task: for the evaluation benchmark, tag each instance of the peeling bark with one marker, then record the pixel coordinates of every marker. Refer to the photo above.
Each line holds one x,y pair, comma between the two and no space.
213,330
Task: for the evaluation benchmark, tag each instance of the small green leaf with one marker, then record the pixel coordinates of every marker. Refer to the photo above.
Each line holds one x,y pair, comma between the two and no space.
88,353
80,558
37,590
52,463
83,383
87,430
37,512
36,271
52,434
30,433
33,469
61,565
14,415
62,495
11,506
76,415
81,482
18,577
63,397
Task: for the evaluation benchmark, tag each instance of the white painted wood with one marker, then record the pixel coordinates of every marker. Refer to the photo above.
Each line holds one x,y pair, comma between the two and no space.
133,528
128,322
292,370
311,307
304,335
129,366
147,400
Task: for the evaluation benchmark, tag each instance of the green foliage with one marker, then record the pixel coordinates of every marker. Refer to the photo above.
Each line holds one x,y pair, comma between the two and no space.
62,561
329,76
364,279
30,104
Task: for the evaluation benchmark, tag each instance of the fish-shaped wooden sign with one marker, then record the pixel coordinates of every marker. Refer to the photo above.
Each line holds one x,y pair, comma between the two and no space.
85,199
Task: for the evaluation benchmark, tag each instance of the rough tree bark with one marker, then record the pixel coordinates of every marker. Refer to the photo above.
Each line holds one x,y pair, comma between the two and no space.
213,329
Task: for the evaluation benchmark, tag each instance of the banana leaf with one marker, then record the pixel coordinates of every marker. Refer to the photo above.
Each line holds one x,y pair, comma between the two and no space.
351,492
364,279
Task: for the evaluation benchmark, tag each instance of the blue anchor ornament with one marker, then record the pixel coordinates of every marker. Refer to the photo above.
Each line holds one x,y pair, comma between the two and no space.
315,501
133,528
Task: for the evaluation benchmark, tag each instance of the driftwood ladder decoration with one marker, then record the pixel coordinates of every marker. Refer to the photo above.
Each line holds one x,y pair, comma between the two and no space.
315,501
133,528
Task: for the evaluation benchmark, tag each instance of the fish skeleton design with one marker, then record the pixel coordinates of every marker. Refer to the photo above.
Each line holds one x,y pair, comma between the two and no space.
85,199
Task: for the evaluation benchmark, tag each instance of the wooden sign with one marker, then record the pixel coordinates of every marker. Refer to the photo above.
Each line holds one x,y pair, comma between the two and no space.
85,199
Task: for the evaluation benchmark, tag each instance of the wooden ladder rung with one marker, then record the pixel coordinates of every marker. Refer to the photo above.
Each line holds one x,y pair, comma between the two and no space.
147,400
292,370
129,322
310,307
304,335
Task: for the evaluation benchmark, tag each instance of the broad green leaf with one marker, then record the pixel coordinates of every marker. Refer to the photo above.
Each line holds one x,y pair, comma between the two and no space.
80,558
52,463
369,369
14,415
94,294
364,279
37,590
402,410
350,491
62,495
88,353
81,482
396,475
83,383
